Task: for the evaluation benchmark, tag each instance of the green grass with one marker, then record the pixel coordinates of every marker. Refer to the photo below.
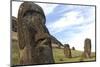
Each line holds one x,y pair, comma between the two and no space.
76,56
58,55
15,52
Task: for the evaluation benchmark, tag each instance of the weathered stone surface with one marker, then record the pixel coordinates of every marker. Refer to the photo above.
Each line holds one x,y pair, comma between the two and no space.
14,24
55,43
67,51
73,48
87,48
33,36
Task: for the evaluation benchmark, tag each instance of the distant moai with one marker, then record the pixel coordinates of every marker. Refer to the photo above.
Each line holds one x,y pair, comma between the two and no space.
73,48
87,48
33,36
14,24
67,51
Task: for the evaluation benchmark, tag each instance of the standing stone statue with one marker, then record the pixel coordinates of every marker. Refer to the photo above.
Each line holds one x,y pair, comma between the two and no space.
87,48
67,51
33,36
73,48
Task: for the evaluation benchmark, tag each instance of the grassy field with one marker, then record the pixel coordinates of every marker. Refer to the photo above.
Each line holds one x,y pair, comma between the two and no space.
76,56
57,53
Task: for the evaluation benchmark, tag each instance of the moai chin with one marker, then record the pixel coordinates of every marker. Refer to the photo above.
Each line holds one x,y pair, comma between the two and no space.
87,48
33,36
67,51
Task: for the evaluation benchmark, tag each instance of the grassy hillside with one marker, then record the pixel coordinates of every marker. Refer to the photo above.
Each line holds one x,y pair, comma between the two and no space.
76,56
57,53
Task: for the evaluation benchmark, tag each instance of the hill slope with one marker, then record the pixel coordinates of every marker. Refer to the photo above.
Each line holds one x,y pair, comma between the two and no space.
76,56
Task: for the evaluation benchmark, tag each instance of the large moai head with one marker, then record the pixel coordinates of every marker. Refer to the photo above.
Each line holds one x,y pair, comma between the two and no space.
87,48
67,51
34,42
14,24
31,19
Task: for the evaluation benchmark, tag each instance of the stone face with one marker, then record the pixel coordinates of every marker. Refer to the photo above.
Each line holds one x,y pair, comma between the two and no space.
33,36
14,24
67,51
87,48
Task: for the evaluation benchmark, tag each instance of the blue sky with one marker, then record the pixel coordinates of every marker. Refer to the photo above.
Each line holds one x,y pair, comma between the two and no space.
68,23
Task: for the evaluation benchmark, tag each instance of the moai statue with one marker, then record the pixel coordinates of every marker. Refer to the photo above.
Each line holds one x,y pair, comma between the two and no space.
33,36
87,48
14,24
67,51
73,48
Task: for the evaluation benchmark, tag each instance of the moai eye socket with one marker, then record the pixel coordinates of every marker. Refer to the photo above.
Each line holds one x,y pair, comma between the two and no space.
29,12
34,15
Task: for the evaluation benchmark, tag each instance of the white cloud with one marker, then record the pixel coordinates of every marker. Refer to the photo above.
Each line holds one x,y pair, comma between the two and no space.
75,18
68,19
78,40
48,8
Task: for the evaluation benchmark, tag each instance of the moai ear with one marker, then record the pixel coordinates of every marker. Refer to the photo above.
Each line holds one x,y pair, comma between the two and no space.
14,24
